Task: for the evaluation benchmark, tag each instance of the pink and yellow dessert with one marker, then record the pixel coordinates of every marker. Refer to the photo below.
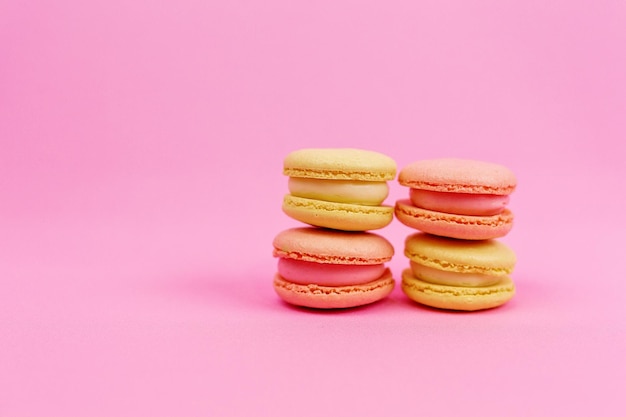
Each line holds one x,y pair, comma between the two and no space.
323,268
457,198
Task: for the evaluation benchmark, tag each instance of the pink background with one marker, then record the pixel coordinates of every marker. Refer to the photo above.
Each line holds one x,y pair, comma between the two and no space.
141,147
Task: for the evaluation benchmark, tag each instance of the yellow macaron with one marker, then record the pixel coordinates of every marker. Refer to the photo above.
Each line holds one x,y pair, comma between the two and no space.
341,189
458,274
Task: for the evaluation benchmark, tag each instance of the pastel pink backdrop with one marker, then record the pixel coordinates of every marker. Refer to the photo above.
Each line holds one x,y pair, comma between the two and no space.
141,147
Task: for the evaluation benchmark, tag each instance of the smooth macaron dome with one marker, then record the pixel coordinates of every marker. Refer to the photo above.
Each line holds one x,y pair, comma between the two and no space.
340,189
458,198
458,274
324,268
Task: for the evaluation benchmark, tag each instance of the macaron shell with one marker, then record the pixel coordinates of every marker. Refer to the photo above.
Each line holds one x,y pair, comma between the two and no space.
457,298
338,216
340,163
488,257
318,296
454,225
331,246
458,176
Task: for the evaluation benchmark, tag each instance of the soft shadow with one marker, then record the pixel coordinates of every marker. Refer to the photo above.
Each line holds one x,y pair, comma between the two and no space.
254,294
228,291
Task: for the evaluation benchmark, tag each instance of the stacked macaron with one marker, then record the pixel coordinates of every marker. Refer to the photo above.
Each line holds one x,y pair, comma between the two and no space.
335,262
324,268
460,206
340,189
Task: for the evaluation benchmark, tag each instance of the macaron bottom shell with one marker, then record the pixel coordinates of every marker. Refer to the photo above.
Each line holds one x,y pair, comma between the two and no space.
457,297
327,297
338,216
454,225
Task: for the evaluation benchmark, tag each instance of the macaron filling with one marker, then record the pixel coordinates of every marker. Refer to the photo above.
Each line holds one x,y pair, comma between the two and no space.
331,275
457,279
459,203
367,193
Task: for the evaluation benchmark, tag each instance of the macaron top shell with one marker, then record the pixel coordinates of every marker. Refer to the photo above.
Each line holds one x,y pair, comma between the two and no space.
332,246
458,176
477,256
340,163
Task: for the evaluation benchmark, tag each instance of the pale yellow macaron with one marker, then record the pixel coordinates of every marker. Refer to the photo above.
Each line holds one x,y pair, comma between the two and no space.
458,274
340,189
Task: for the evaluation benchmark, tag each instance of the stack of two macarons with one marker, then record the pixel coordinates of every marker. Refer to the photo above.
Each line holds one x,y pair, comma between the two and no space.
460,206
334,262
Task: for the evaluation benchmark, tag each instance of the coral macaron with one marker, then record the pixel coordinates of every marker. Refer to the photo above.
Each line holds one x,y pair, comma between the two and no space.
340,189
323,268
457,198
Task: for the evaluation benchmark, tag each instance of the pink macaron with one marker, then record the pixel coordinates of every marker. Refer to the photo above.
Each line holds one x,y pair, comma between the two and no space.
458,198
322,268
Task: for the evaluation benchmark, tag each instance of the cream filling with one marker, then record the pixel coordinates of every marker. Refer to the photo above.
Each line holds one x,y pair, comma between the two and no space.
458,279
459,203
367,193
331,275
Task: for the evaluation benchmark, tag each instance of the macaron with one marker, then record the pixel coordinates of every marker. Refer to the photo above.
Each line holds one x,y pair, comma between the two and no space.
458,274
459,198
323,268
340,189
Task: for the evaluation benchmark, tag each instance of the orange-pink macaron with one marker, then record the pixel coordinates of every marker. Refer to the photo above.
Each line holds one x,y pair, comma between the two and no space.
322,268
458,198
